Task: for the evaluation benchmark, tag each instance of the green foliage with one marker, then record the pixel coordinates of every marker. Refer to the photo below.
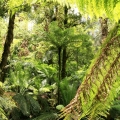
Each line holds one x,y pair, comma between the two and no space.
35,77
47,72
2,34
61,37
6,105
23,105
43,101
32,75
47,116
82,54
19,77
33,104
67,90
16,113
19,5
27,105
107,8
2,114
3,8
115,109
59,107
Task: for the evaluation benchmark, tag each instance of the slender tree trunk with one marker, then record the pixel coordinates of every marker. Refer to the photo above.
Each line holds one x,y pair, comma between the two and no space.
64,55
65,16
6,51
59,73
64,59
77,58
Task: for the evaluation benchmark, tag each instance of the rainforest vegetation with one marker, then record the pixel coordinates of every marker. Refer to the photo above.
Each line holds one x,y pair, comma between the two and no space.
59,59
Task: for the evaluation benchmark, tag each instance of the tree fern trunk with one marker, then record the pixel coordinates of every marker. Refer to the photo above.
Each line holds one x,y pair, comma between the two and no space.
64,59
64,55
59,73
7,45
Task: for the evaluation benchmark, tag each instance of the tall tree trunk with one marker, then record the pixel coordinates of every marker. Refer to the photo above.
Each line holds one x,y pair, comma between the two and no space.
77,58
64,59
59,73
6,51
64,55
65,16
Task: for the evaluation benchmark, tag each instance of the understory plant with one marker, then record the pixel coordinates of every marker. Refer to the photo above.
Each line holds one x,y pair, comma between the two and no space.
33,84
68,88
6,103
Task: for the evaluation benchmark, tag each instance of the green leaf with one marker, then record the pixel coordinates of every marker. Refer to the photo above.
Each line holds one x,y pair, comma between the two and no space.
22,104
59,107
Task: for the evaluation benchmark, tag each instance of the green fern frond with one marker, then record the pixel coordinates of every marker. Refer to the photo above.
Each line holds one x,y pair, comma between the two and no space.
106,8
6,104
33,105
96,93
67,91
3,116
46,116
23,106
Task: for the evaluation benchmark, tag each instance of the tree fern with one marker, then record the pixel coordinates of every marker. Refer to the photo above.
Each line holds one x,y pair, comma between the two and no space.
98,89
106,8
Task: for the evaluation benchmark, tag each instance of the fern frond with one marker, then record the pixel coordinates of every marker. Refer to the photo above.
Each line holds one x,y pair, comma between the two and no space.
46,116
2,114
23,106
96,93
6,104
106,8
